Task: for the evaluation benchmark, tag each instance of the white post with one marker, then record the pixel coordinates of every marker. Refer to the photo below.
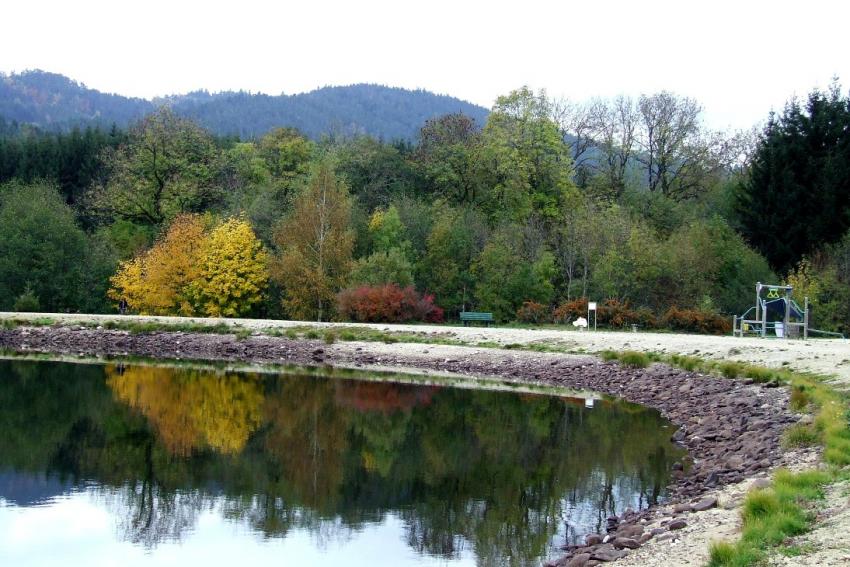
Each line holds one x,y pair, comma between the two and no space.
806,319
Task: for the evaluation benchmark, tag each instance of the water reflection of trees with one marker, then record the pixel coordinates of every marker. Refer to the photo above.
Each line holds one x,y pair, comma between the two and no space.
191,409
496,472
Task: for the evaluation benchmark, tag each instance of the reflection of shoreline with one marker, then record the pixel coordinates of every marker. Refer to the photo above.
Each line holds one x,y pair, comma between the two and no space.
31,489
384,397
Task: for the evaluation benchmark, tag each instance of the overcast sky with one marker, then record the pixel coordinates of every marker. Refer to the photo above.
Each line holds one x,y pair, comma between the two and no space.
738,58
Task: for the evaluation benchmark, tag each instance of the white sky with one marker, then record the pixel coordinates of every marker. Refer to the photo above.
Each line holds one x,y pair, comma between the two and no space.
738,58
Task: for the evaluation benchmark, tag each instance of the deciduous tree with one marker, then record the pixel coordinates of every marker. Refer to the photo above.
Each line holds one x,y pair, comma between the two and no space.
42,249
156,281
316,242
233,271
525,162
168,166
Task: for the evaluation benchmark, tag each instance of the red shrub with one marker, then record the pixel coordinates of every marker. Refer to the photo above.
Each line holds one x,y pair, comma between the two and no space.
387,304
696,321
616,313
571,310
532,312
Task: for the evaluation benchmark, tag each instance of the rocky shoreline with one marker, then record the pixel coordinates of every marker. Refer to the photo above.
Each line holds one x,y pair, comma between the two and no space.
730,428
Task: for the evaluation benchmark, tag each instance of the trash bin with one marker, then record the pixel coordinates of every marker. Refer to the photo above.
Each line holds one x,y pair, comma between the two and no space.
780,330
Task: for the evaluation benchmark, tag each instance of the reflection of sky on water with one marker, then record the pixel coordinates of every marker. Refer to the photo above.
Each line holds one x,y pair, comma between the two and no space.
77,529
86,525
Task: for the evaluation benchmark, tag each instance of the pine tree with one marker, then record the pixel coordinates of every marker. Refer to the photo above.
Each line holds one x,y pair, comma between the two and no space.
797,195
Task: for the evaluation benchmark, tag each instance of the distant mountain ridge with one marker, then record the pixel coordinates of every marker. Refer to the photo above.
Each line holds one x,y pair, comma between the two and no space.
54,102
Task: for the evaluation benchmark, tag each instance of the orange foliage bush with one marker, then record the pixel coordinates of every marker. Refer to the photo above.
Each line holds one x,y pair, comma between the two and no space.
533,312
387,304
616,313
570,310
696,321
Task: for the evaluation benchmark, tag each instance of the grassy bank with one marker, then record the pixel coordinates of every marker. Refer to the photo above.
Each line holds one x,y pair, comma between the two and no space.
772,515
785,509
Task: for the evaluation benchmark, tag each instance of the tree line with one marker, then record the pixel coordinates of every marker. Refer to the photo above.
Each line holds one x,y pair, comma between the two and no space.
630,202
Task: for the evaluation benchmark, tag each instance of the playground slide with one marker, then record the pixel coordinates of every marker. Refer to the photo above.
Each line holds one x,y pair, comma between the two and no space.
777,306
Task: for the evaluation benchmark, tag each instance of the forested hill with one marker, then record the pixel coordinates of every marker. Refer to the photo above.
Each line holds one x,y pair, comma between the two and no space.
55,102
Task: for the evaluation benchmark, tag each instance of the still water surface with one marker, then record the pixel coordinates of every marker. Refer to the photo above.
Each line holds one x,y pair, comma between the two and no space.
150,465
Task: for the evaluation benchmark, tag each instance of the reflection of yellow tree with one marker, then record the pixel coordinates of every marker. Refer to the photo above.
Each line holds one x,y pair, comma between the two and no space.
191,409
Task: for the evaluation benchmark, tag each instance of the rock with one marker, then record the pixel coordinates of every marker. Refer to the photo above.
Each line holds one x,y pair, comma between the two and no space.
608,554
579,560
626,542
735,462
632,530
705,504
682,507
677,524
593,539
645,538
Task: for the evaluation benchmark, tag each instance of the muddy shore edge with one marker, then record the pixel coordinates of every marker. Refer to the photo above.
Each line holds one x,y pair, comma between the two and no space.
731,429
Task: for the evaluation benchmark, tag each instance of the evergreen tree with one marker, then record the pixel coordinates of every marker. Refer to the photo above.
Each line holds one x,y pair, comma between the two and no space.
797,195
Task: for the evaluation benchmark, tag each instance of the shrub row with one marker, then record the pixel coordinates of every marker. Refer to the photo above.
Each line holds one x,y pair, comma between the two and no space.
618,314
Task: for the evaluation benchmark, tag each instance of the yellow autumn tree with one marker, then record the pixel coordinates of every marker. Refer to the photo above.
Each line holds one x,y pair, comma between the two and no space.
233,271
316,243
155,282
191,271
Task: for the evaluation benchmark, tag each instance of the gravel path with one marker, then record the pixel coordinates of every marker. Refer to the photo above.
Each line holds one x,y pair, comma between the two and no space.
822,356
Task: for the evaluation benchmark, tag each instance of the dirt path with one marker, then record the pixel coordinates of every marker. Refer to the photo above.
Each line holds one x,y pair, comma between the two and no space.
822,356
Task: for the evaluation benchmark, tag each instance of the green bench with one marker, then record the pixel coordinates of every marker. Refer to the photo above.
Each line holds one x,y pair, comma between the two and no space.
471,316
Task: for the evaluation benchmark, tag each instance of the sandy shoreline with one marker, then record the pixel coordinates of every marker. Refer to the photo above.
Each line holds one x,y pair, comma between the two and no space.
829,357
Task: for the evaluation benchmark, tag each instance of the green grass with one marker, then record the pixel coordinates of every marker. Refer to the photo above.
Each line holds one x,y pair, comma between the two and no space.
772,516
609,355
800,398
330,337
9,324
731,369
630,358
634,359
801,435
140,327
689,363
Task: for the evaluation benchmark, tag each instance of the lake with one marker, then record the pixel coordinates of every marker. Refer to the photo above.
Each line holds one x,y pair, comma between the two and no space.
133,464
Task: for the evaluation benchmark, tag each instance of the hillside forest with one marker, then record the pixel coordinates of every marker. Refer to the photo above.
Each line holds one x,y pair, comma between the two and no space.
633,203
